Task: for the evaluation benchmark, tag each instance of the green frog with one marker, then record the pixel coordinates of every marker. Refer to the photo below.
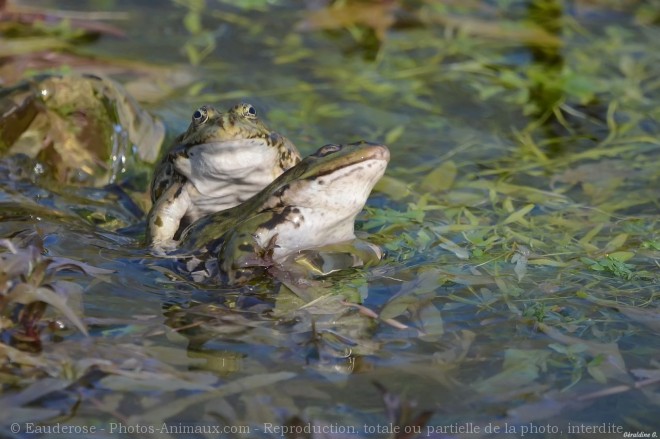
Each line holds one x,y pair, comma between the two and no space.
310,206
219,162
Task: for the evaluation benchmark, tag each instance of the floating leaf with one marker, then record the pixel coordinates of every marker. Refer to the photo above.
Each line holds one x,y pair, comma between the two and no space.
616,243
621,256
429,320
546,261
397,306
26,293
520,368
518,216
520,261
161,382
160,413
441,178
608,362
394,134
378,16
457,351
449,245
649,317
394,188
612,265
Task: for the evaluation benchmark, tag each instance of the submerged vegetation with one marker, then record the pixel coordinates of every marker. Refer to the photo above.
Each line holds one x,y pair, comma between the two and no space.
519,215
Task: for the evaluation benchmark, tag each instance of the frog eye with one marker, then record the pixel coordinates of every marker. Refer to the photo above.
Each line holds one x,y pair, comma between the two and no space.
249,111
327,149
200,116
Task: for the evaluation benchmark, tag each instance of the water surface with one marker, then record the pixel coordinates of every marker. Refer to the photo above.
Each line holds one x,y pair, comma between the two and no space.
519,213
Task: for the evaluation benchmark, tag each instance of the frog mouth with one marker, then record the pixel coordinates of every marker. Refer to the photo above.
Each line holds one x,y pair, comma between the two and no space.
343,189
344,186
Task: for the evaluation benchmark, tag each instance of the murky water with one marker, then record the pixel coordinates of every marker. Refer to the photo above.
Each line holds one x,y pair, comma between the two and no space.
519,213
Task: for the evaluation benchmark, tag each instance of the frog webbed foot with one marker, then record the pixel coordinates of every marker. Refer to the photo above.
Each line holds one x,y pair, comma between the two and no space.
164,247
260,256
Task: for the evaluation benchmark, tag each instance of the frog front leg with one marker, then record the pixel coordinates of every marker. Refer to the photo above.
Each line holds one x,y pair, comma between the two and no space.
165,217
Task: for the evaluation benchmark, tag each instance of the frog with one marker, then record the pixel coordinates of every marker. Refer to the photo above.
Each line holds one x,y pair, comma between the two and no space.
221,160
312,205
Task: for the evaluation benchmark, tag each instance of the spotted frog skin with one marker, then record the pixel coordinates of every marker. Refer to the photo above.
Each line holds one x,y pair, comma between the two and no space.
312,205
220,161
